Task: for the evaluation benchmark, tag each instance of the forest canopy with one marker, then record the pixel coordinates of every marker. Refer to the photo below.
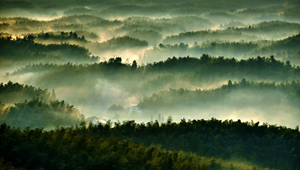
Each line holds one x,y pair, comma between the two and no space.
160,84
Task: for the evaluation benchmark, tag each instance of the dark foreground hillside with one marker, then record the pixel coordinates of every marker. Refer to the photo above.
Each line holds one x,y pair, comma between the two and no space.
232,143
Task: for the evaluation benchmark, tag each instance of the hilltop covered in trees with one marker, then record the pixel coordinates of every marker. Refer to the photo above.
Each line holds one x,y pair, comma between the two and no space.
215,48
287,48
23,105
252,94
25,50
204,65
15,92
134,36
62,37
36,114
180,86
172,73
200,36
230,142
270,29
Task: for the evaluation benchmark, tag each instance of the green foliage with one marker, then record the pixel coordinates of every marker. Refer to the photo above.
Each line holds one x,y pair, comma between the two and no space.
98,146
215,48
265,95
15,92
289,44
26,50
183,72
64,36
36,114
152,37
261,68
264,145
200,36
269,27
72,149
207,67
5,165
122,42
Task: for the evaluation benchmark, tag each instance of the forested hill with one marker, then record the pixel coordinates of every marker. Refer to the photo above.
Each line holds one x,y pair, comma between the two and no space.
15,92
206,65
235,145
238,95
158,76
40,114
201,36
264,145
289,44
214,65
23,105
26,50
214,48
268,27
211,68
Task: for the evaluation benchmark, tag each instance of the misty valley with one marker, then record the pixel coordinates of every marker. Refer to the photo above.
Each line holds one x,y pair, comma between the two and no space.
169,84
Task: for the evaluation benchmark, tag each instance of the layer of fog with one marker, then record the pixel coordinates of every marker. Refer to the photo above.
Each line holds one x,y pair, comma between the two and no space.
133,27
158,25
93,98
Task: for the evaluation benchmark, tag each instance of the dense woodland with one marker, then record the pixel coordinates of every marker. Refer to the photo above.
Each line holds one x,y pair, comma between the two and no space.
257,95
128,80
197,84
15,92
36,113
26,50
194,69
101,146
26,106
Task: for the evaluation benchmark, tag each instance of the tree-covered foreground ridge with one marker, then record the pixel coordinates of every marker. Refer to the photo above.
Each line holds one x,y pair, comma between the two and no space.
193,144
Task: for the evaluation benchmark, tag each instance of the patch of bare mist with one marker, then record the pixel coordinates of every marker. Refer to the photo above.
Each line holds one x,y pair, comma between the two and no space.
281,115
81,97
274,114
217,27
28,78
49,16
111,93
277,115
94,99
7,67
239,162
107,33
132,100
264,106
211,85
104,36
